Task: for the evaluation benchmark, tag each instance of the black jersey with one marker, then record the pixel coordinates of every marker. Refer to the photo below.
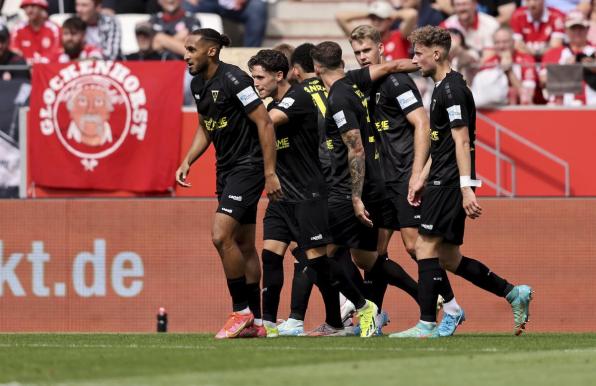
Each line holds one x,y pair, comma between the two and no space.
224,102
348,110
452,106
316,89
391,99
298,166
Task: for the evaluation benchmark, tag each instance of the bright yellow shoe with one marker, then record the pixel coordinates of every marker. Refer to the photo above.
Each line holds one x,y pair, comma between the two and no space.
368,323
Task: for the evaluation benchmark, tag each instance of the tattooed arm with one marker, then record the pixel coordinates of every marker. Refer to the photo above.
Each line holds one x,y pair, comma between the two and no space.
356,163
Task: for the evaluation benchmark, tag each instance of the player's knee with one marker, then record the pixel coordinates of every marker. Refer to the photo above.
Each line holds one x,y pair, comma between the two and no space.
448,265
220,239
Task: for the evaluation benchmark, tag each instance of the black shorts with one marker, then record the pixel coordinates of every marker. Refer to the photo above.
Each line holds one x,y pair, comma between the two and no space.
347,230
397,212
442,214
239,191
304,222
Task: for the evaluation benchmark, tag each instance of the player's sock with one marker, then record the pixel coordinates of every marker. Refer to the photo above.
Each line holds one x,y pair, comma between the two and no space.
273,281
480,275
375,282
445,289
237,288
451,307
398,277
344,257
253,292
345,285
329,292
429,279
301,287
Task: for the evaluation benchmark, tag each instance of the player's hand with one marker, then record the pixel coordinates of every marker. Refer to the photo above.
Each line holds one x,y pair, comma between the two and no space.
182,173
273,187
473,210
361,212
415,189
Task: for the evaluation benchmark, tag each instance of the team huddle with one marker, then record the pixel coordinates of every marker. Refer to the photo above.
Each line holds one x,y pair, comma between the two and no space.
346,159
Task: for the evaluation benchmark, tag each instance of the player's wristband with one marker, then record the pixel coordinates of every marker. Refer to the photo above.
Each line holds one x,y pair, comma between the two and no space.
466,181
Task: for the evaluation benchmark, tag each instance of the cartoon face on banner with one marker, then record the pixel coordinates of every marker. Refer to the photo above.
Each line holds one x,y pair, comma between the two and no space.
94,110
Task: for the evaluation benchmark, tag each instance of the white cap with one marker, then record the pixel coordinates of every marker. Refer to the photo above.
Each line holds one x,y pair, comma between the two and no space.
380,9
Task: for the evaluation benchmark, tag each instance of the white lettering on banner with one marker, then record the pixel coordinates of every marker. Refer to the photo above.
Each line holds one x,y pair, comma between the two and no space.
89,274
93,107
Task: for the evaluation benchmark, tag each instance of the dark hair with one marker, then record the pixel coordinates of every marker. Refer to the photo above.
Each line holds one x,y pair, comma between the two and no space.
213,36
328,54
301,57
430,36
74,23
457,32
271,61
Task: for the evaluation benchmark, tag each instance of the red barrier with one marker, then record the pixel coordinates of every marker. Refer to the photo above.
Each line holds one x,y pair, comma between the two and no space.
567,134
107,265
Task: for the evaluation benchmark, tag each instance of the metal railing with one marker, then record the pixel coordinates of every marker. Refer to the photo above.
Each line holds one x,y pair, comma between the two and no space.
501,130
497,185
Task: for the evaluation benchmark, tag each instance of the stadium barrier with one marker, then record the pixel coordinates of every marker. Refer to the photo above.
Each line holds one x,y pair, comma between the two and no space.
108,265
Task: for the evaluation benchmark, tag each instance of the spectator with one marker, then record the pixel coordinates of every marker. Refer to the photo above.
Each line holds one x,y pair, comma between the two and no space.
565,6
251,13
577,51
74,46
145,34
102,31
382,15
518,68
112,7
427,15
37,39
502,10
477,28
7,57
591,16
463,58
537,28
171,27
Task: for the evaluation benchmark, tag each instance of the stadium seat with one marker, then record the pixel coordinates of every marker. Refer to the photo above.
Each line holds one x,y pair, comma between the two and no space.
210,20
11,7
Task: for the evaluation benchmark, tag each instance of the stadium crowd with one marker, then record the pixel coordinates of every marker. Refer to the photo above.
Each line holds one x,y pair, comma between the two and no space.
498,42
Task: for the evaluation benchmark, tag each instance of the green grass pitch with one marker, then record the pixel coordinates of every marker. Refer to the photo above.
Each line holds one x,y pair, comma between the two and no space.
192,359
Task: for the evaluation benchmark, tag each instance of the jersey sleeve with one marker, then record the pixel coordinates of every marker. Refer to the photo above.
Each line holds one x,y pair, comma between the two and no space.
342,112
360,78
295,105
241,87
196,92
404,91
456,103
516,24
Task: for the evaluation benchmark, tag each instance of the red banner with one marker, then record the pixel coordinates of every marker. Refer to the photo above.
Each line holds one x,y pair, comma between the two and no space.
105,125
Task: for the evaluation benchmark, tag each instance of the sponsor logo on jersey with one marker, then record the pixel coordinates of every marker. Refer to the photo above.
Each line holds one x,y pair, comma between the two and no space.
282,143
340,118
434,135
317,237
454,112
247,95
197,96
382,125
214,94
286,103
406,99
214,124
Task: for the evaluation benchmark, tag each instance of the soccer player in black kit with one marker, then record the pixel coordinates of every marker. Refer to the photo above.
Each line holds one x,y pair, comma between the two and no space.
301,214
233,117
447,195
357,188
399,118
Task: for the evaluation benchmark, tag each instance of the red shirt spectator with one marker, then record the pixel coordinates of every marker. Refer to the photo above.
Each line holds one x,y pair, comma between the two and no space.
38,39
74,46
579,50
523,67
88,52
396,46
537,28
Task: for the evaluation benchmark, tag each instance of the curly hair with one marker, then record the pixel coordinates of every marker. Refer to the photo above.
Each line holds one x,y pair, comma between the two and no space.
430,36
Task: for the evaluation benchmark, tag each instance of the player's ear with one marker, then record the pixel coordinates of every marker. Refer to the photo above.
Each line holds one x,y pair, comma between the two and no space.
382,49
279,75
212,52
